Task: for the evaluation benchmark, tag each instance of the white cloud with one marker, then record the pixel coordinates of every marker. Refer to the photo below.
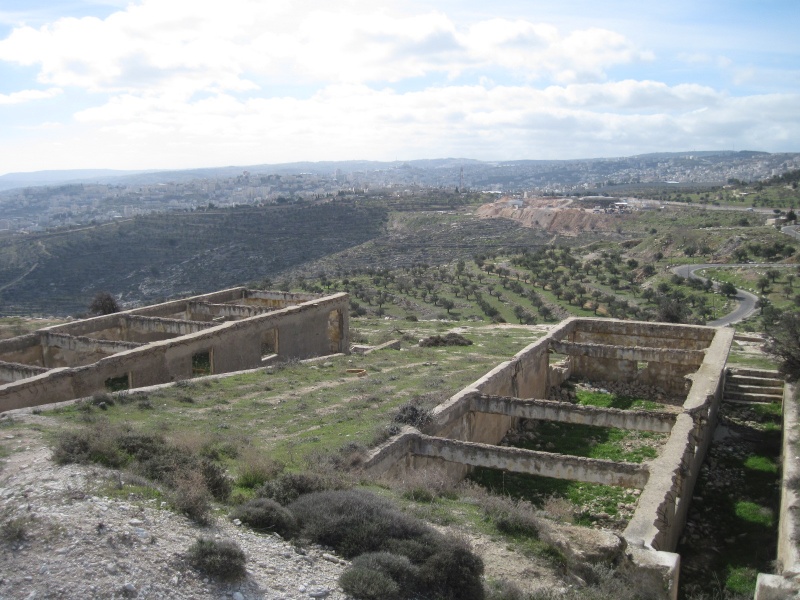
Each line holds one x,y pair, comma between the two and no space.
206,45
28,96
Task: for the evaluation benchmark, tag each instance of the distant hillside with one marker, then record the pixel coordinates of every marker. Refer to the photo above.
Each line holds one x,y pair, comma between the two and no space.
149,258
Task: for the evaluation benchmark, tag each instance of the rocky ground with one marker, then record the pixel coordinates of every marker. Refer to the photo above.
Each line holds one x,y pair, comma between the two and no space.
66,535
716,540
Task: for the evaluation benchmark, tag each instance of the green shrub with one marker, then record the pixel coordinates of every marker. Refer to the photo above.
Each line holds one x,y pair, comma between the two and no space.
264,514
368,584
453,573
395,547
221,559
353,522
288,487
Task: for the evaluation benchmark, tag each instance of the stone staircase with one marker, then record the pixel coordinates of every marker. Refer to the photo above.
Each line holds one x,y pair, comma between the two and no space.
753,385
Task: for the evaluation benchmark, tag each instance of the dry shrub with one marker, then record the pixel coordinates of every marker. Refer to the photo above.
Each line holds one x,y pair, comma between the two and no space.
192,498
559,509
427,484
256,468
510,516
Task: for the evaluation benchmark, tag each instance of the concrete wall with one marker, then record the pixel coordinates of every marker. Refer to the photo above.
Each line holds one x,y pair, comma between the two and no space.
25,349
544,464
565,412
661,512
303,330
15,372
71,351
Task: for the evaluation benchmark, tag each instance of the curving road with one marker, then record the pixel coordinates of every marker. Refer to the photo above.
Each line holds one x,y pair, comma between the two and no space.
747,301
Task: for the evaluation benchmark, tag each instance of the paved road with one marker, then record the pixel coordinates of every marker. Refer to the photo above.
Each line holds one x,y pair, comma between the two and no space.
747,301
792,230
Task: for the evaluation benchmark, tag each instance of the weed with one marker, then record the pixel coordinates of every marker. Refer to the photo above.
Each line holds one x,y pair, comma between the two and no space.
256,468
14,530
221,559
413,414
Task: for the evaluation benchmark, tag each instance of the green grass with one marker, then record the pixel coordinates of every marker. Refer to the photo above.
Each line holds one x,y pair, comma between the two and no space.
741,580
607,400
761,463
754,513
594,442
591,498
294,410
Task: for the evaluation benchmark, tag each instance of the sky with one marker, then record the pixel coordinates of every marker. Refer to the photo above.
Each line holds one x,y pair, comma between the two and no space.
167,84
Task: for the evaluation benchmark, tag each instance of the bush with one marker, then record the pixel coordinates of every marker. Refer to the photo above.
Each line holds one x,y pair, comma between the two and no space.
399,568
191,497
14,530
394,547
264,514
353,522
256,468
94,444
512,517
367,584
450,339
288,487
413,414
453,573
221,559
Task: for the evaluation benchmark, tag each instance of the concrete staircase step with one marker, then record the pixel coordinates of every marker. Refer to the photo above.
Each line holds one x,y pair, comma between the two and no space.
749,379
743,402
766,389
765,373
762,398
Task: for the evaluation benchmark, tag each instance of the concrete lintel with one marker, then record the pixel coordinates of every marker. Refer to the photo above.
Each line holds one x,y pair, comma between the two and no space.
532,462
775,587
637,353
566,412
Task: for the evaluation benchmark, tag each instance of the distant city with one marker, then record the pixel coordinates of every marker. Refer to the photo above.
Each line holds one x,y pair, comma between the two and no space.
72,199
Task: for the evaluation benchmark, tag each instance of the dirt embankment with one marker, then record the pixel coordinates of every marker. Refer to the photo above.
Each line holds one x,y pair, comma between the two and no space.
552,215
